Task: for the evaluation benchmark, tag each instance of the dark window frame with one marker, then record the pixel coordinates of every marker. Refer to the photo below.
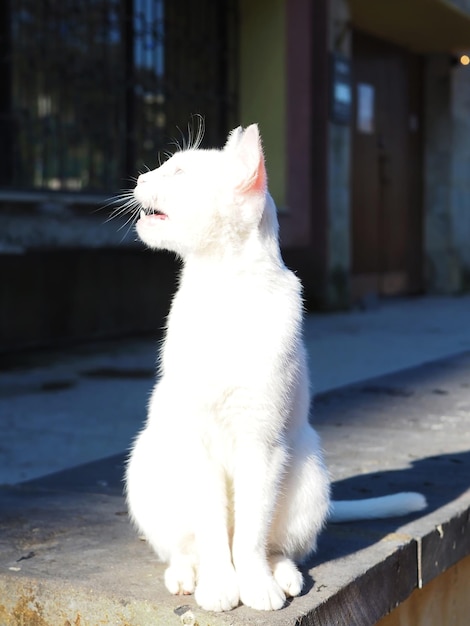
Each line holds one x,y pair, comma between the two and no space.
92,91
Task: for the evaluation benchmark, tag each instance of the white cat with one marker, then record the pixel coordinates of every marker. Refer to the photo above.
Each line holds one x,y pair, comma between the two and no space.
227,480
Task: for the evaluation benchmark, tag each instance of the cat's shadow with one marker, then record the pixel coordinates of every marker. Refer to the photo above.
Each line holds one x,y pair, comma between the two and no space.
441,479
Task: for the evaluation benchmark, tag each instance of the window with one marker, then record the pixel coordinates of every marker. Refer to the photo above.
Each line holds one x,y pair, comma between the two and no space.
92,90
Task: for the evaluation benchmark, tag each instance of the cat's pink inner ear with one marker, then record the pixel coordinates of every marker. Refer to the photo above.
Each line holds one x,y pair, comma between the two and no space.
251,153
258,182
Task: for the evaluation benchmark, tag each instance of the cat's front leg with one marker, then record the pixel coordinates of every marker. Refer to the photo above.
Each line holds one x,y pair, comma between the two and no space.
180,575
217,583
258,588
256,482
191,533
217,587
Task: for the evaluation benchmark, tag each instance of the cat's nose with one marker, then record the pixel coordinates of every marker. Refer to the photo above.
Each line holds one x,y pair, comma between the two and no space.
142,179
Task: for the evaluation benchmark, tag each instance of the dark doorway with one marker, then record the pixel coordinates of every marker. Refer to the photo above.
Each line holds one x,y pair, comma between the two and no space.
386,169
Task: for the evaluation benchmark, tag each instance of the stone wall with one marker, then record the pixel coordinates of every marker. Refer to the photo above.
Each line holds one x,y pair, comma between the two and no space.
339,180
43,220
446,176
69,275
460,173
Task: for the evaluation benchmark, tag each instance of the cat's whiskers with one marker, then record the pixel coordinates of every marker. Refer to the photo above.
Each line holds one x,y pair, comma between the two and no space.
176,143
127,203
123,201
131,220
132,207
195,139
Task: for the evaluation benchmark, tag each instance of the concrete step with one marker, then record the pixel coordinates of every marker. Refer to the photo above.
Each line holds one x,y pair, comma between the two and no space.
69,556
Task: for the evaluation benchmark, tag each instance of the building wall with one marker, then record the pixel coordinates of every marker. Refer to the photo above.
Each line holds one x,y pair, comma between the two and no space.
61,296
339,174
280,76
447,182
266,73
67,274
263,84
40,220
446,151
460,172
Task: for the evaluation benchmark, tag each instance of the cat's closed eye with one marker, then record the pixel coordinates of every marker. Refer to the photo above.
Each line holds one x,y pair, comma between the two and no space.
176,171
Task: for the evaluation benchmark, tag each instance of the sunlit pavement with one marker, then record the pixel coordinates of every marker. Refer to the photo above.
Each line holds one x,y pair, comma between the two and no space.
61,409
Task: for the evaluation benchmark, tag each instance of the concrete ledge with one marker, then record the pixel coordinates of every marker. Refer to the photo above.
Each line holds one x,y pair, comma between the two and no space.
45,220
104,292
68,555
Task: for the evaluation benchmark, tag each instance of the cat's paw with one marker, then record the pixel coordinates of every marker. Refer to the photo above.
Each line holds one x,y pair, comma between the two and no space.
288,576
180,579
218,591
261,592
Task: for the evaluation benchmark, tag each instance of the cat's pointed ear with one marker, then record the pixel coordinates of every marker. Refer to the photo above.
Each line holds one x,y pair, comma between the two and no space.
249,153
233,138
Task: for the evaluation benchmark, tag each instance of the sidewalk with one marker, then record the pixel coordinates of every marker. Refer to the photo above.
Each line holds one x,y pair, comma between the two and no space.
58,410
68,554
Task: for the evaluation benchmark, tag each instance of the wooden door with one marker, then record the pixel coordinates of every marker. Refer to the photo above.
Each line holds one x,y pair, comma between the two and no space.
386,169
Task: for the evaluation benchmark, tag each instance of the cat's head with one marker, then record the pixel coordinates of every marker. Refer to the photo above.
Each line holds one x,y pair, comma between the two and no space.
207,201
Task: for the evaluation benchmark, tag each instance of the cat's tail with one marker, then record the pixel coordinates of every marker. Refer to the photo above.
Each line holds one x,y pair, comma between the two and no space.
376,508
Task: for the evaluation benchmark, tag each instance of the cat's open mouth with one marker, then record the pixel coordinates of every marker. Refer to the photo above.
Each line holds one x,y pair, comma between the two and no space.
153,214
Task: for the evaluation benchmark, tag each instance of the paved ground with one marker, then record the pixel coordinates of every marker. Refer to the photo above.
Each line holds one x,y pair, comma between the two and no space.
58,410
68,554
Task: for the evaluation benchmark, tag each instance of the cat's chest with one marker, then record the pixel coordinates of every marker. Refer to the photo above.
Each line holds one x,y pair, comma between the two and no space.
220,333
200,329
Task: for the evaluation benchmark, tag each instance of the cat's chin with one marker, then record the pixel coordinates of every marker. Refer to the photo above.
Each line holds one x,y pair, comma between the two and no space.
148,227
147,231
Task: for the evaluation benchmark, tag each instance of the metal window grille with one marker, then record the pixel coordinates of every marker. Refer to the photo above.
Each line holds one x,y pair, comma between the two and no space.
92,90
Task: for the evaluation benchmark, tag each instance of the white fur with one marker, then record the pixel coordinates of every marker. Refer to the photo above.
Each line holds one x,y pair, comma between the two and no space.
227,480
376,508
